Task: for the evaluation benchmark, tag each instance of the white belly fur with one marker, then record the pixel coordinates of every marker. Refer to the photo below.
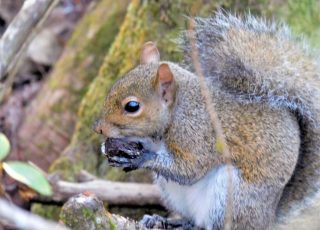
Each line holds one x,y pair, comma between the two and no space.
203,201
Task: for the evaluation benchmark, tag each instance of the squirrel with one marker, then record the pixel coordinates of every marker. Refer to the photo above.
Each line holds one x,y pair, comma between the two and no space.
264,84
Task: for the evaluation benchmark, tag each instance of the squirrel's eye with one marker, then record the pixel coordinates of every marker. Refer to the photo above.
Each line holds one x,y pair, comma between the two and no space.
132,106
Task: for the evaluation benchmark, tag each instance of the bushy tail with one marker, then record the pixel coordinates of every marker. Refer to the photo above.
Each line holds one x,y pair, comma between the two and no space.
260,61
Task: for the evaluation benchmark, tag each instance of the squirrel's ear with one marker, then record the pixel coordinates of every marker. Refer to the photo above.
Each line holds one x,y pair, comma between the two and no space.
149,53
165,84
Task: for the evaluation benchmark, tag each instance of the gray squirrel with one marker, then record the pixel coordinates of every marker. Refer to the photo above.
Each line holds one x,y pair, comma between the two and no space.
265,87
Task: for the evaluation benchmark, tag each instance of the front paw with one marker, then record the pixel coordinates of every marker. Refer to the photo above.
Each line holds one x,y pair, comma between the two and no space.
154,222
158,222
126,163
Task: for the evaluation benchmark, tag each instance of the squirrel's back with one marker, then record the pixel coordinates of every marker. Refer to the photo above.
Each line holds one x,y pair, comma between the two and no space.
257,61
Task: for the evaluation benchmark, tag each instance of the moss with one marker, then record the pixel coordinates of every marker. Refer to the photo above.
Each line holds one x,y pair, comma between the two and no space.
304,18
50,212
88,213
88,46
62,166
71,162
84,211
140,176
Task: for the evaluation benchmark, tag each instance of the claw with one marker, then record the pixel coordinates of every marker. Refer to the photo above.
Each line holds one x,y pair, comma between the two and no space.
118,159
122,162
158,222
154,221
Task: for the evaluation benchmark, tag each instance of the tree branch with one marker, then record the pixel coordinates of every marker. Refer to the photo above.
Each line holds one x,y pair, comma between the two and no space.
19,29
111,192
25,220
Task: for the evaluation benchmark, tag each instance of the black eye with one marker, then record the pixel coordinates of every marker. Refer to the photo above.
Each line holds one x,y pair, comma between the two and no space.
132,106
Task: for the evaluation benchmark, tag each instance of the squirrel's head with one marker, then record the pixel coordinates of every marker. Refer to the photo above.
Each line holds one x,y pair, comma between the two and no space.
141,102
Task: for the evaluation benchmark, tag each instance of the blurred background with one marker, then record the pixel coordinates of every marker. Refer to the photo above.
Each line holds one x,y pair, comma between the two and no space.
55,90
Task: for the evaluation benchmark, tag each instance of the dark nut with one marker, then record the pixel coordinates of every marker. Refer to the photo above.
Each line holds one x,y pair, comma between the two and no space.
122,148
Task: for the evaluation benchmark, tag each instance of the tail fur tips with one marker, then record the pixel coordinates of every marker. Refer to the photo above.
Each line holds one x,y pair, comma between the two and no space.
262,61
256,60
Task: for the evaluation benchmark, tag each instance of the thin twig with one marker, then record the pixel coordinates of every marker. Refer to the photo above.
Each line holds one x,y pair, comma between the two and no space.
221,144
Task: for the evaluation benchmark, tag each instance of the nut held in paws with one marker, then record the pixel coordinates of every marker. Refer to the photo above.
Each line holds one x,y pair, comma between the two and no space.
122,148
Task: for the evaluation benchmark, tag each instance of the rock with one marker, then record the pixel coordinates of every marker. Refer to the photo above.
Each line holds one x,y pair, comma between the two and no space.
85,211
45,48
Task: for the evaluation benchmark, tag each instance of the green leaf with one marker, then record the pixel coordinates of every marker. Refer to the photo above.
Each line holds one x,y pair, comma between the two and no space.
4,146
29,175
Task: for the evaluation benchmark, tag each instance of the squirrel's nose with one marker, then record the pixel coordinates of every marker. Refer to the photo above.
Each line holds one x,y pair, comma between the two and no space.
97,126
103,127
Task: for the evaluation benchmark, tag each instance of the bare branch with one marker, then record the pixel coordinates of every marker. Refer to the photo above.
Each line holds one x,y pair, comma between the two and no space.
25,220
18,31
114,193
85,176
